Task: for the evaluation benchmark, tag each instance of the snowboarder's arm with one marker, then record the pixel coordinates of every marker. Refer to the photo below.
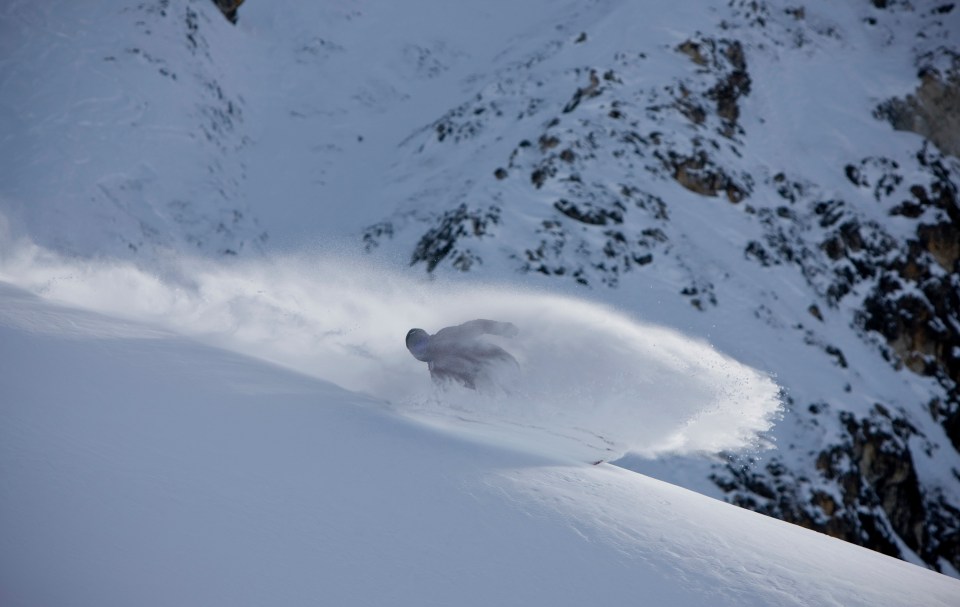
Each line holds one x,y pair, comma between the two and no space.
476,328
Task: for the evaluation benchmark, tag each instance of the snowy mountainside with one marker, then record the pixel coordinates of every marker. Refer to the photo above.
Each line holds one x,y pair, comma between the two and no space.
124,129
740,163
728,170
156,470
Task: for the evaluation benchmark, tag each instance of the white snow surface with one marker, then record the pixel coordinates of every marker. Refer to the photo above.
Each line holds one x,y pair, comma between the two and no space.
141,467
179,426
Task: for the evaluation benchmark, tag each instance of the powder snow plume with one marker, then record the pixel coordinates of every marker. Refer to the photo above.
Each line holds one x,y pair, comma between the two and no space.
593,383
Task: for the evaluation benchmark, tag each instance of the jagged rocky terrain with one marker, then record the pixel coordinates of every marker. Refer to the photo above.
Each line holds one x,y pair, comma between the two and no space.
778,178
589,170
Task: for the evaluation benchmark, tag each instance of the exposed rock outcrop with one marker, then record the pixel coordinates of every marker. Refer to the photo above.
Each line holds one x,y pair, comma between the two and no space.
932,111
229,8
450,237
868,494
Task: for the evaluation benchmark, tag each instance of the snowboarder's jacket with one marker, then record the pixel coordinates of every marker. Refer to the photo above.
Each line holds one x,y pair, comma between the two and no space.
456,353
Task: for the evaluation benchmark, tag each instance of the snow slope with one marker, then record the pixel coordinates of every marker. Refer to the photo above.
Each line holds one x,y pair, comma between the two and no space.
142,467
149,143
718,168
599,383
125,134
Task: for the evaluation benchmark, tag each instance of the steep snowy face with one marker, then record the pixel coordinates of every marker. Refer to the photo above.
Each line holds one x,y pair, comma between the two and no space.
123,126
740,157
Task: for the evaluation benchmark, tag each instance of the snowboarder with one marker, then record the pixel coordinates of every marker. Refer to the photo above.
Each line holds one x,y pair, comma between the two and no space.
457,354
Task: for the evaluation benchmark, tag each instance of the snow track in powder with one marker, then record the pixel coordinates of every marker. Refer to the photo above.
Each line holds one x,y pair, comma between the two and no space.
593,383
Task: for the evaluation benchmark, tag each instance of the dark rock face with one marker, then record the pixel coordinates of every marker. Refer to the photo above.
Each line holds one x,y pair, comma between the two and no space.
915,303
698,174
932,111
727,59
229,8
449,238
871,497
883,472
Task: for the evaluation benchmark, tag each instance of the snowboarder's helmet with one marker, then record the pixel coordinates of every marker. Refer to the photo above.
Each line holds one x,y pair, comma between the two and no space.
416,337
